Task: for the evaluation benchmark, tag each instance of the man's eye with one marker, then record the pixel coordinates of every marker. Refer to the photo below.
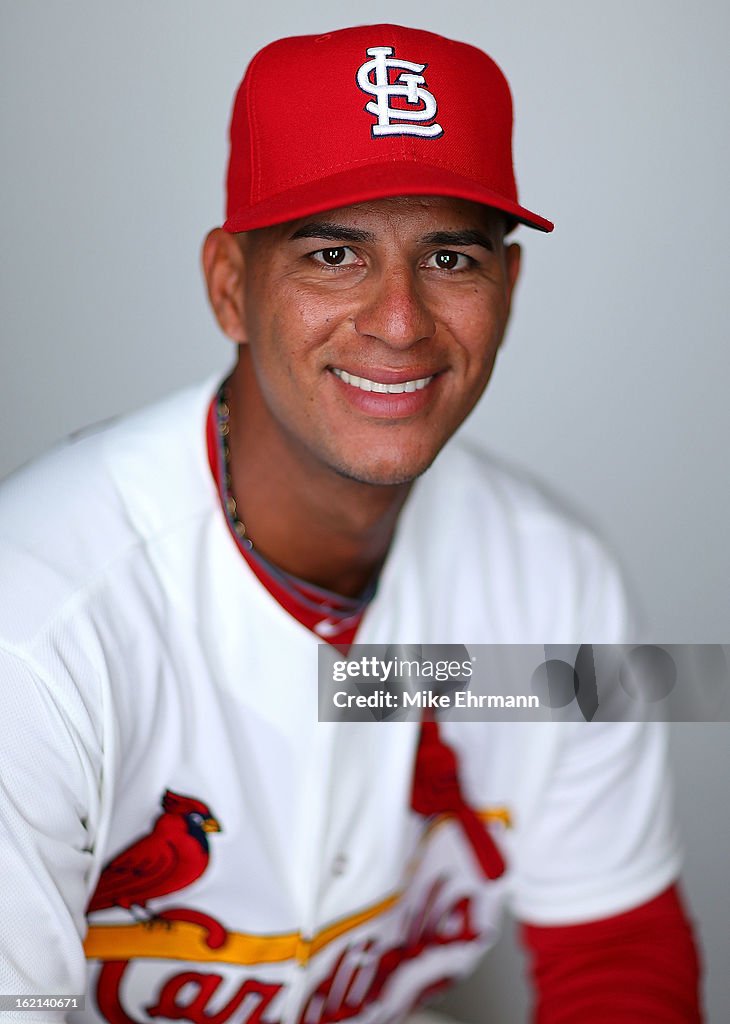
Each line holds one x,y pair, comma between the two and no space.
336,256
446,259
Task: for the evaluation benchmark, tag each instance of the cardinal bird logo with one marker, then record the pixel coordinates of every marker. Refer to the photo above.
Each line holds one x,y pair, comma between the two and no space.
172,856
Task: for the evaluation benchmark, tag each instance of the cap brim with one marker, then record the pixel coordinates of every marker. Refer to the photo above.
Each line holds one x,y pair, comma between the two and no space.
376,181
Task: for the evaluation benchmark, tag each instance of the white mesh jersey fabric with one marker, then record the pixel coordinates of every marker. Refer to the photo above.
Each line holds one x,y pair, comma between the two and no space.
138,654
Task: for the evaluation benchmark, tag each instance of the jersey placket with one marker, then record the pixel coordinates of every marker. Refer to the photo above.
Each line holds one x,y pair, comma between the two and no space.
309,843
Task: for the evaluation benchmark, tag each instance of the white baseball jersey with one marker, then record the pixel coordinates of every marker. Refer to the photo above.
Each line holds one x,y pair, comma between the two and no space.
286,877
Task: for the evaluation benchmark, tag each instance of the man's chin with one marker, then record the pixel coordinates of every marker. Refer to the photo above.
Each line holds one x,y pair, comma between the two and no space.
384,474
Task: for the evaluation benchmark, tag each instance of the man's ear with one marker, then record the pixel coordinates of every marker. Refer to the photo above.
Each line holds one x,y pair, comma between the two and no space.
223,266
512,259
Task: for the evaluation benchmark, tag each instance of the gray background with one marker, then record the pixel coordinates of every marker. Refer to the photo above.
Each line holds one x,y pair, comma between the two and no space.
612,385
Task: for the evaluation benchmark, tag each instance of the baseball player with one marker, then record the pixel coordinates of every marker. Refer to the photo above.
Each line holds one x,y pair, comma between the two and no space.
181,838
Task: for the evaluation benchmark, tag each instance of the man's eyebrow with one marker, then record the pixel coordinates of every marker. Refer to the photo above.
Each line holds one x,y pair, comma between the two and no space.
332,232
466,236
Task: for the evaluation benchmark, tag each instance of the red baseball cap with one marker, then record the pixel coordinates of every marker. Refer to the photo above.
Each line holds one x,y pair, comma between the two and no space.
364,113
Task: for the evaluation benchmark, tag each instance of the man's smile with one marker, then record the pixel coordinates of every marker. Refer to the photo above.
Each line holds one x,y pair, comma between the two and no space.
387,394
382,386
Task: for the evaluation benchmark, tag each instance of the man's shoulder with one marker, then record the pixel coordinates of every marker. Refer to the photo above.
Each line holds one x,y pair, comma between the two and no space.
68,517
512,550
466,477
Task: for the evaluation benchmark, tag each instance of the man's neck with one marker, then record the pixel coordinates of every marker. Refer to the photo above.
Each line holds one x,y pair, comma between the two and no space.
302,516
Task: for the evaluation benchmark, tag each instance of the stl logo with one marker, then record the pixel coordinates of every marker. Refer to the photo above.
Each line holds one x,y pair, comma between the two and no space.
373,78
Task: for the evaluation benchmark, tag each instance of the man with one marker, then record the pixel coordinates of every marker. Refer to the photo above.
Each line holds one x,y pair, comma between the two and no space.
182,838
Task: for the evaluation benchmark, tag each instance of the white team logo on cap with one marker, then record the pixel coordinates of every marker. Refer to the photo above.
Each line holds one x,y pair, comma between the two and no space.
409,84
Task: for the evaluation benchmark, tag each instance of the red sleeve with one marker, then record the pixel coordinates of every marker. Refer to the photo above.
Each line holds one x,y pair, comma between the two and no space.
640,967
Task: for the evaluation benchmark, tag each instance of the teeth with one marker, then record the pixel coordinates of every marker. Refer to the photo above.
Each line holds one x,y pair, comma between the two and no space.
384,389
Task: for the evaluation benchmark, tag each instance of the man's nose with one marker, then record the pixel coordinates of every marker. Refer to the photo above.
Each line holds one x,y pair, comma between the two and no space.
395,310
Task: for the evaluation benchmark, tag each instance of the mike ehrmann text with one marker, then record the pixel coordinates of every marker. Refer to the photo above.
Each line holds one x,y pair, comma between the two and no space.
430,699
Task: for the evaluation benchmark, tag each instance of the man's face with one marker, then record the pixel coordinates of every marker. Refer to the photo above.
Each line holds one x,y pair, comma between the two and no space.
372,330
